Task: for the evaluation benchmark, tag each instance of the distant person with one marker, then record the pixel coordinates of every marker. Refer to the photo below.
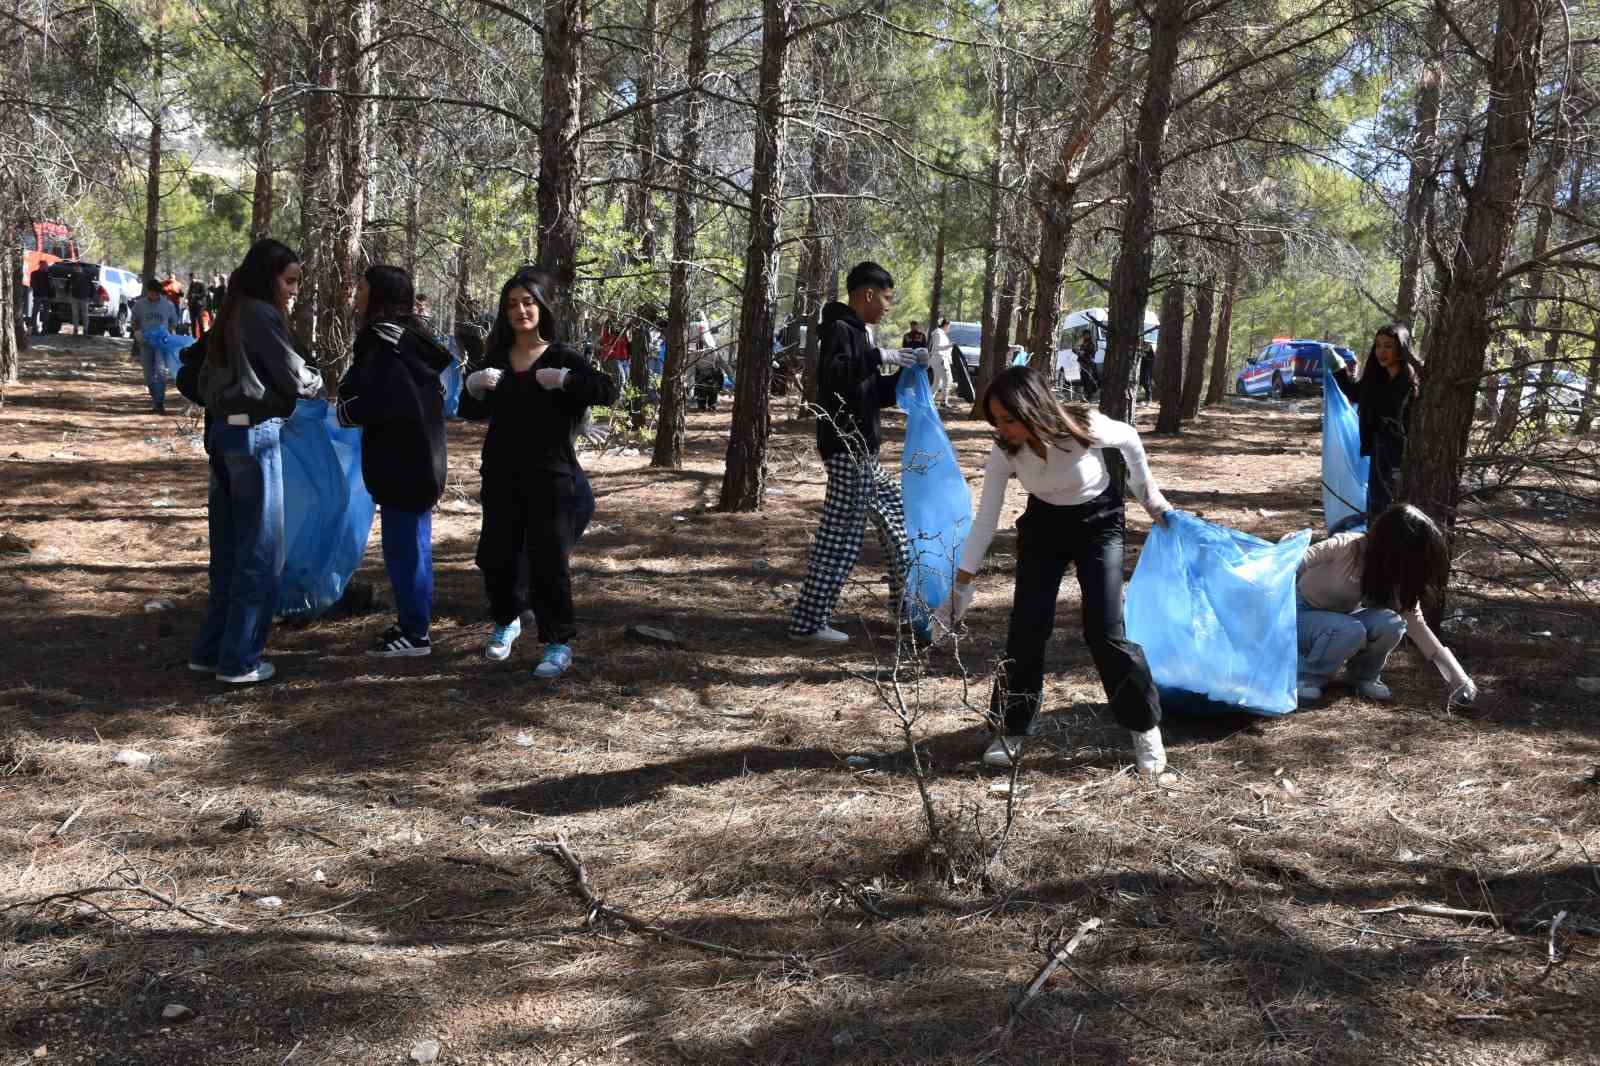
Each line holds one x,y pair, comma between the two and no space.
250,380
39,297
851,390
1074,518
196,296
1088,370
173,290
535,392
150,313
914,337
1147,370
216,294
80,290
1383,394
1359,593
393,391
939,347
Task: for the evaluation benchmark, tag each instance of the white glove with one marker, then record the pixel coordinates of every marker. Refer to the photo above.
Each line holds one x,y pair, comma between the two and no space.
900,357
482,382
955,605
1156,506
551,377
1462,690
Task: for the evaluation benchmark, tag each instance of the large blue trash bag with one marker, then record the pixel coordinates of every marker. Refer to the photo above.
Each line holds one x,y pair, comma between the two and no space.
938,504
168,345
327,511
1344,468
1214,610
451,378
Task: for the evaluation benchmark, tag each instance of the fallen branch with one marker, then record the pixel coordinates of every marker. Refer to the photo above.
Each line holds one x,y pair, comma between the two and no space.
73,817
598,908
1057,958
1142,1019
1433,910
168,901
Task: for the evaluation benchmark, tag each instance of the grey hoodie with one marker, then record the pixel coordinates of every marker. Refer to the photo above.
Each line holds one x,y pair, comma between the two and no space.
265,374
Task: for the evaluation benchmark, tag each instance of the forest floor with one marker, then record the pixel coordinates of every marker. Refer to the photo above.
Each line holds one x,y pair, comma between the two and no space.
749,795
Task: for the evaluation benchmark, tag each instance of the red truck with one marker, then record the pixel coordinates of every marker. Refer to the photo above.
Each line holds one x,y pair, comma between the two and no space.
45,242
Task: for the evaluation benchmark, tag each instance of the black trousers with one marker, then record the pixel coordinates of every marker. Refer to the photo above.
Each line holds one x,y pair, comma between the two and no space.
1088,537
525,550
1383,476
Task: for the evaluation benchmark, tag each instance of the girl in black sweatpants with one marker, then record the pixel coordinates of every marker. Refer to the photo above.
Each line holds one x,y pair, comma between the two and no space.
534,391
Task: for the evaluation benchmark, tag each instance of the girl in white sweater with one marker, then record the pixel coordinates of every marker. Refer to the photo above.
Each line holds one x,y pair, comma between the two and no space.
1074,517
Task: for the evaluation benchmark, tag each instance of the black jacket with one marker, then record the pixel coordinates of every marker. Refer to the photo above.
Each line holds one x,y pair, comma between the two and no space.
531,428
393,392
849,388
1383,408
264,373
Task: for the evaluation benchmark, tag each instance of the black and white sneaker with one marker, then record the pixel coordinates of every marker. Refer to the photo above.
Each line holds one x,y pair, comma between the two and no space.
396,643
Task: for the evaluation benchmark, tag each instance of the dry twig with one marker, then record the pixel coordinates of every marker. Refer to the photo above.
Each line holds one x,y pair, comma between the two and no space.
159,897
1056,960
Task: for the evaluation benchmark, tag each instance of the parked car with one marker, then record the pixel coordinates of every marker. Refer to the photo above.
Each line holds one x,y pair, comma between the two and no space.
115,290
1562,396
966,342
1090,323
1286,366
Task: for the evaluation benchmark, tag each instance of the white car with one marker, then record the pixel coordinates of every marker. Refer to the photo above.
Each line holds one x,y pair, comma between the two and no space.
115,290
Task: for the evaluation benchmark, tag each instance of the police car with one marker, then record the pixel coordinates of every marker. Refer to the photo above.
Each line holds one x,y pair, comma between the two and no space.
1286,366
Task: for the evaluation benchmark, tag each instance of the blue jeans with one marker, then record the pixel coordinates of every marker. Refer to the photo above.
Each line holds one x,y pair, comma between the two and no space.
1360,642
155,372
408,556
245,509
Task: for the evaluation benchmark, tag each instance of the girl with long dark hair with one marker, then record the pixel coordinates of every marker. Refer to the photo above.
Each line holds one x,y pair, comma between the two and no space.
250,378
1359,593
1389,382
535,392
394,392
1074,518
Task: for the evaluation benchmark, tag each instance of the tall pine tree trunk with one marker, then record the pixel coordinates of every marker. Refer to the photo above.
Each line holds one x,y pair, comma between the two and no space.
1169,358
668,450
743,481
152,186
936,285
1141,180
1424,167
1442,420
641,209
988,359
261,199
1219,359
356,62
1528,309
559,155
319,175
1194,374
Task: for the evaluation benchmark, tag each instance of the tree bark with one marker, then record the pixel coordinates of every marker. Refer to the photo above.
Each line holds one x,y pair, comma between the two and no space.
1424,167
1219,359
318,175
1130,279
11,336
1194,374
356,62
1591,384
261,198
988,359
560,159
152,186
1169,359
1443,416
641,210
668,452
1527,312
936,286
743,481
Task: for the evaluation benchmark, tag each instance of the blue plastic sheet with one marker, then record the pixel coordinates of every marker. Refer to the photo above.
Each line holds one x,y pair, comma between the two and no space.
1214,610
169,346
327,511
450,376
1344,468
938,504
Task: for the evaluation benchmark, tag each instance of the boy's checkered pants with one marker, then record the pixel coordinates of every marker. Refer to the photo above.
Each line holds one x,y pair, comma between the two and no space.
857,489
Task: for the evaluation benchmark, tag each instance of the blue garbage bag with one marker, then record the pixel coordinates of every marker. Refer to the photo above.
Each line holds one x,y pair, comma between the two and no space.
327,511
450,376
938,504
168,345
1214,610
1344,468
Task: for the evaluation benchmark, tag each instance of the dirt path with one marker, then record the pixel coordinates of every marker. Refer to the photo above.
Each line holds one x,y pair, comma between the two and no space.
736,791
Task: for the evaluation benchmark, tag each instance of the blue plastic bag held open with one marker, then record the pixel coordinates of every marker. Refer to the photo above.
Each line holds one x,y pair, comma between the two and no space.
450,377
327,511
938,504
1344,468
168,346
1214,610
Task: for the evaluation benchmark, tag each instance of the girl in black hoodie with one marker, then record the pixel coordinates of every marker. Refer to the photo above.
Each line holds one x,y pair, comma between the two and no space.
534,391
1390,380
393,391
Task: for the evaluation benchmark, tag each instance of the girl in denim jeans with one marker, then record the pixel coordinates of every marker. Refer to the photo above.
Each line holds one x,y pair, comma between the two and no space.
250,380
1359,593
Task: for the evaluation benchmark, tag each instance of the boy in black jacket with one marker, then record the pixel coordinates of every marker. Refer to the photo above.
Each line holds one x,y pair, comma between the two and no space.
851,391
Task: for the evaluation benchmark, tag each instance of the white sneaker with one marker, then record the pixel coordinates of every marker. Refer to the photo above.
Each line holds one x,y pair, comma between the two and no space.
262,672
1308,693
1002,751
1374,690
825,635
1148,752
500,640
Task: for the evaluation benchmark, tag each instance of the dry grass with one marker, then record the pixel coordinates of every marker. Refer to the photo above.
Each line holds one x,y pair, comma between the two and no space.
708,788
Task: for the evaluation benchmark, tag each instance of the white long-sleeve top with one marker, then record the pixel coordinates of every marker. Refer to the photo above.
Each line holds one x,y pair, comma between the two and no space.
1068,474
939,346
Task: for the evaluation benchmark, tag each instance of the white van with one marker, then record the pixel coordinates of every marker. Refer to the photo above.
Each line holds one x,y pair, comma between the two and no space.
1090,323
